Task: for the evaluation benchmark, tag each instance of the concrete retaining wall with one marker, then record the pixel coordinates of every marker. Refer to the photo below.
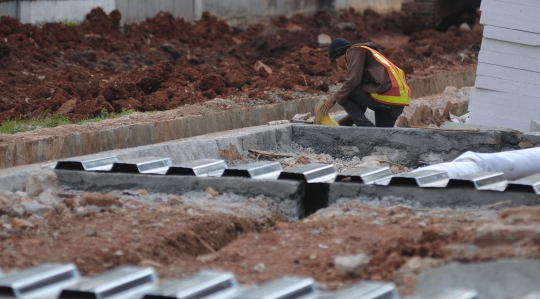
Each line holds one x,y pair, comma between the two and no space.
40,11
53,146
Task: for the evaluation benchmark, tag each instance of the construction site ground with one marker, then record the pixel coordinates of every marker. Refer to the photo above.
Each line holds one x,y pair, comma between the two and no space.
156,65
178,235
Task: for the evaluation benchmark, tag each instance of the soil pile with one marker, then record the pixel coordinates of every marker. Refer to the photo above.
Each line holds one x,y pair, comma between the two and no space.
166,62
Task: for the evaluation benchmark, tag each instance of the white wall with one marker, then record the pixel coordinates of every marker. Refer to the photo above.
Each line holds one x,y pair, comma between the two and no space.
60,10
39,11
8,8
381,6
138,10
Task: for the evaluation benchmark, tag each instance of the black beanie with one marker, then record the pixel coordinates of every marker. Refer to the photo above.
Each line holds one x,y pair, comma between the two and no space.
337,48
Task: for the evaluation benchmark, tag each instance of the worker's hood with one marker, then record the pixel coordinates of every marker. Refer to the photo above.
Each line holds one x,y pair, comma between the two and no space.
369,44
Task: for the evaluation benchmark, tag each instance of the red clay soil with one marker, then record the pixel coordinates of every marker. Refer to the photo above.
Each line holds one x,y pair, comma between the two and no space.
166,62
179,240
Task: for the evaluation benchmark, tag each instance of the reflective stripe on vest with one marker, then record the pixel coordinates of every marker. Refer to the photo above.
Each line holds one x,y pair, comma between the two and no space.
400,93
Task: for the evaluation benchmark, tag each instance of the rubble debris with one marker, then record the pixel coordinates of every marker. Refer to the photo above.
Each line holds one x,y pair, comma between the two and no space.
41,180
96,199
352,265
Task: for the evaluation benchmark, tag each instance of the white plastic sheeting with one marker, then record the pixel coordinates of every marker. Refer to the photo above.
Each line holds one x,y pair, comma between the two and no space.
514,164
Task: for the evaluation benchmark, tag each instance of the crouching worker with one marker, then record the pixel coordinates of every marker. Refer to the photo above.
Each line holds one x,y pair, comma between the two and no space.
372,82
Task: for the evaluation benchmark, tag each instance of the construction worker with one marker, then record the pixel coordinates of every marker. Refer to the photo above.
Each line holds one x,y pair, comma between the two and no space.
372,82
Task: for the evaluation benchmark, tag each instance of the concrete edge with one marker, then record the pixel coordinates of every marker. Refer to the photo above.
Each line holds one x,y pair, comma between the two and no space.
287,196
343,192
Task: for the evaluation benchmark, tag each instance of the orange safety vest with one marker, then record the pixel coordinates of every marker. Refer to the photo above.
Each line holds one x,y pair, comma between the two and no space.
400,93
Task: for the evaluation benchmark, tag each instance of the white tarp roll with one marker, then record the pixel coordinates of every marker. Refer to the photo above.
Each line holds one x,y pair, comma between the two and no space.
514,164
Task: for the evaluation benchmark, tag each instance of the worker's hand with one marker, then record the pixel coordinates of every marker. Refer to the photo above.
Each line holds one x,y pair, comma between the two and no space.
329,104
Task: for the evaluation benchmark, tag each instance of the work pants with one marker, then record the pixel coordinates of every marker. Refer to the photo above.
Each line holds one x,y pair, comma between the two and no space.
356,104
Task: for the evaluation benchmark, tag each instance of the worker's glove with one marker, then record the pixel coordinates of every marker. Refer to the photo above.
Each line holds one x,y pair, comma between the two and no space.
328,105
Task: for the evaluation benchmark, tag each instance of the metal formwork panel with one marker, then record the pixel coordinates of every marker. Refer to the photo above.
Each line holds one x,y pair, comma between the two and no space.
423,178
201,168
257,170
311,173
148,165
95,163
493,181
365,290
121,283
44,281
205,284
284,287
530,183
367,175
458,294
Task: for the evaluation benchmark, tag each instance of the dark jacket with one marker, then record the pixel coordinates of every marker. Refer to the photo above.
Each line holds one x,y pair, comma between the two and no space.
364,72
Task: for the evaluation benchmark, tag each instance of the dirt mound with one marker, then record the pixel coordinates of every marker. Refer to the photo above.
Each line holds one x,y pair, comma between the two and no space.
166,62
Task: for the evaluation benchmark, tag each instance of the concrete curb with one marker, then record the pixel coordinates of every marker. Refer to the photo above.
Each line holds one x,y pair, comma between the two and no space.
54,147
428,197
286,195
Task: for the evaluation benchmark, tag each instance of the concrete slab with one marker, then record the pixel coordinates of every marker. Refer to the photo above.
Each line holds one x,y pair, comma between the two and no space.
453,125
345,192
510,15
489,102
492,120
507,85
493,280
508,60
287,196
519,46
404,146
513,72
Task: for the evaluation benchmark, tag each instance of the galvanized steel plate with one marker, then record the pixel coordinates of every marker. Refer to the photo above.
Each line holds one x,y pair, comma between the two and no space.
200,285
423,178
148,165
284,287
311,173
200,168
257,170
530,183
43,281
365,290
493,181
93,163
458,294
124,282
367,175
